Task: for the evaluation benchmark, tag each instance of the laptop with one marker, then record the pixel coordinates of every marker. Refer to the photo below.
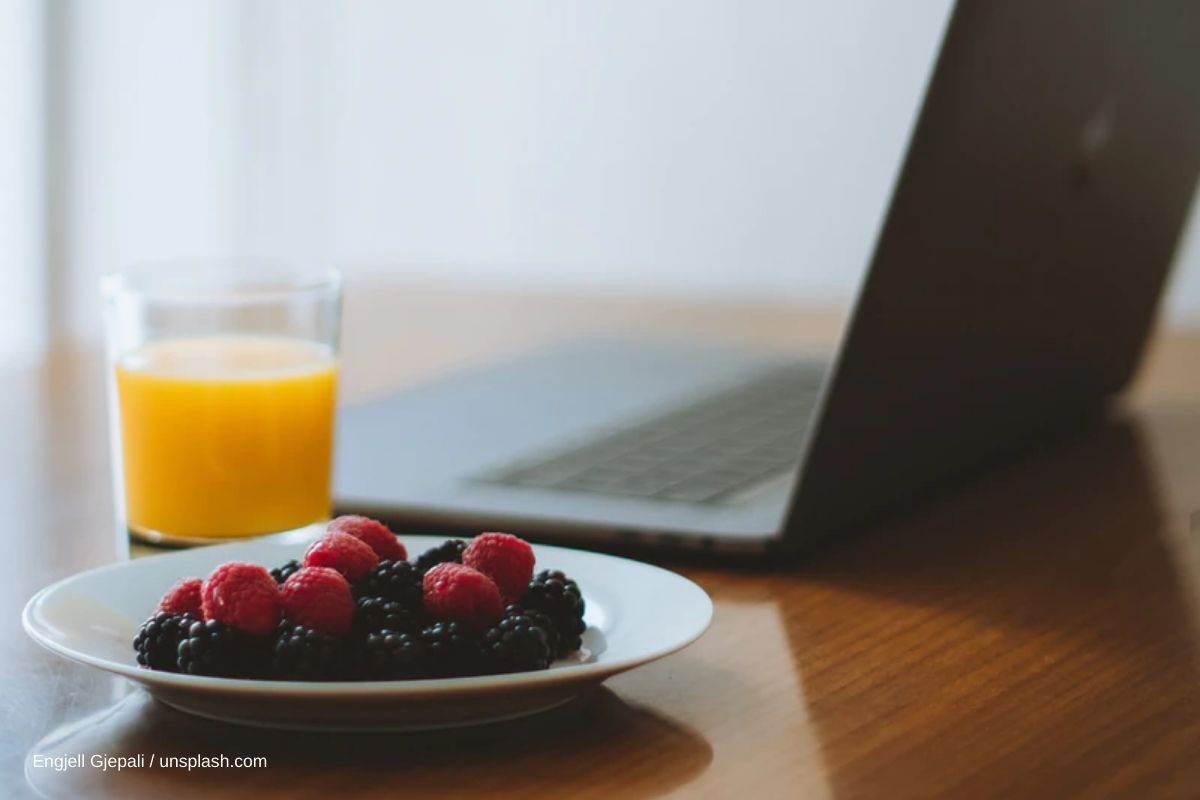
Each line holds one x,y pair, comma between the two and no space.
1013,284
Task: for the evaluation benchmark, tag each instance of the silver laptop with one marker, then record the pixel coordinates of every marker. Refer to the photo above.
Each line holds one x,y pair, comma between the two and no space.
1010,293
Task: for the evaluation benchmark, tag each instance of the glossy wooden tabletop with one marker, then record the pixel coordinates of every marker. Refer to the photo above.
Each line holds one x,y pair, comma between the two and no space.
1032,632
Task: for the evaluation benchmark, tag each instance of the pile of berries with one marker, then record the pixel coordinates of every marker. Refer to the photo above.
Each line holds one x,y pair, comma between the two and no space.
354,608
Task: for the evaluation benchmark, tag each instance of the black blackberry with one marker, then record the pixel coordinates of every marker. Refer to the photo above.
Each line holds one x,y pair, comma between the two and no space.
158,639
539,618
449,550
303,654
516,643
453,650
392,580
373,614
213,648
568,584
388,655
281,574
559,598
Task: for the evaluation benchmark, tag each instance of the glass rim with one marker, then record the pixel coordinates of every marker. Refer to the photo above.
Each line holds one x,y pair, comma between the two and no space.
219,281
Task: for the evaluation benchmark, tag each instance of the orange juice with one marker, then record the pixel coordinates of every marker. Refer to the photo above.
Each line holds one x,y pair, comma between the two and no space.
226,436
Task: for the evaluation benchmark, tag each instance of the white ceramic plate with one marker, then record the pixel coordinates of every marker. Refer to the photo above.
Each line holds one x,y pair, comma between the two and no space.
635,613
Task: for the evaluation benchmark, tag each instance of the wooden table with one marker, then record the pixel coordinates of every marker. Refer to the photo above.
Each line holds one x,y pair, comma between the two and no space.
1032,634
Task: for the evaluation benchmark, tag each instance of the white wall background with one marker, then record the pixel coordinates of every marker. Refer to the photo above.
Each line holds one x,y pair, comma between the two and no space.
146,140
713,148
23,302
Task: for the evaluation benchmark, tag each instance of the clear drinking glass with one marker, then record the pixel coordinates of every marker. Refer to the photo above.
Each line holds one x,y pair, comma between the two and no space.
222,386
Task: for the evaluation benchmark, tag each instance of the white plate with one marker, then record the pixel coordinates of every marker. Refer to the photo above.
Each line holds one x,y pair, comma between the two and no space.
635,613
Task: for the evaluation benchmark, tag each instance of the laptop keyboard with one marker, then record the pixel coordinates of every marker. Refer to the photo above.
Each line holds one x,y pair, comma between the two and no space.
713,450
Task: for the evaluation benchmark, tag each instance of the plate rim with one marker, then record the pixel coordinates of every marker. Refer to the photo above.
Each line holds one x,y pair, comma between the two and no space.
577,673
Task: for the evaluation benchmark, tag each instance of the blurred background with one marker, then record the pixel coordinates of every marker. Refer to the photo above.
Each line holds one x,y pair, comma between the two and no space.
711,151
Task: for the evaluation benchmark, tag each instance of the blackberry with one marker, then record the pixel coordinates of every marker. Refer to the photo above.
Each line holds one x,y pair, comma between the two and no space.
542,620
213,648
568,584
387,655
303,654
281,574
158,639
392,580
516,643
449,550
453,650
558,597
373,614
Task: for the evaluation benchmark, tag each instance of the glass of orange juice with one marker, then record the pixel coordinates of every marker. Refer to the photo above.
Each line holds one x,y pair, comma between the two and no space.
223,381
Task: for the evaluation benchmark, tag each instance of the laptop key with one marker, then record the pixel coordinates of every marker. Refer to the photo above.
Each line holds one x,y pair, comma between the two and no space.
702,453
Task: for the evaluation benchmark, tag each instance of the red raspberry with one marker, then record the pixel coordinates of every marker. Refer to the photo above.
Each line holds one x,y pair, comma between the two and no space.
182,598
455,592
504,558
318,598
372,533
342,552
243,596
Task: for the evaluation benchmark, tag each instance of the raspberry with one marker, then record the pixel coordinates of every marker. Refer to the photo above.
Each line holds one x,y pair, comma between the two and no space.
342,552
182,598
504,558
456,592
318,598
243,596
372,533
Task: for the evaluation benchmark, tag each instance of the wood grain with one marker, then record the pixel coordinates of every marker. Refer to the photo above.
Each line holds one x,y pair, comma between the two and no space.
1029,633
